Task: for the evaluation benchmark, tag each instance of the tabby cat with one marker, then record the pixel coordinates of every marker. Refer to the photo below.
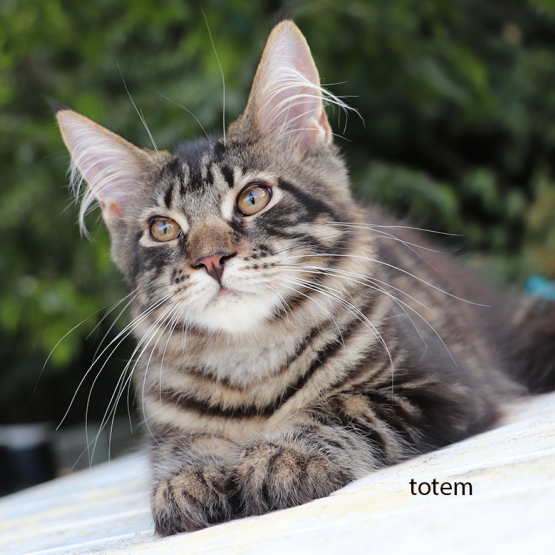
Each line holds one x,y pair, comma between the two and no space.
290,340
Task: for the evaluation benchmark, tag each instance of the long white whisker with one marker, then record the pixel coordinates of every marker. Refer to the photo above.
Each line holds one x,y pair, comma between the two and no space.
280,299
110,310
400,303
363,280
402,306
353,309
395,268
168,323
172,325
384,234
137,110
124,333
116,396
154,327
113,323
371,226
291,280
56,346
221,69
187,110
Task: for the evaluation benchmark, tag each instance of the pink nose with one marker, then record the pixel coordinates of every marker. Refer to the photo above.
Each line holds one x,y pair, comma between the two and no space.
214,264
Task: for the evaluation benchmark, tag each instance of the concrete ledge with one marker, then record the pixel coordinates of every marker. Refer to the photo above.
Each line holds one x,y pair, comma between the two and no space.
511,471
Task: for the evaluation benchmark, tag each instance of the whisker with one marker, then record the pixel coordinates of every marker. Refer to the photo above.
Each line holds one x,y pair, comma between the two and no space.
399,302
398,269
187,110
122,382
111,309
169,315
123,334
137,110
221,69
413,229
388,235
291,280
113,323
281,301
150,332
353,309
172,325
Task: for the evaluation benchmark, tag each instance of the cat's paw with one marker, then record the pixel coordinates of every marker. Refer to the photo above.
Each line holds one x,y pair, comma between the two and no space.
272,475
194,498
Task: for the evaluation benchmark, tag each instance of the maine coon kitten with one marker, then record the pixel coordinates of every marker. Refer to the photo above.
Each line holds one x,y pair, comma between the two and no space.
290,340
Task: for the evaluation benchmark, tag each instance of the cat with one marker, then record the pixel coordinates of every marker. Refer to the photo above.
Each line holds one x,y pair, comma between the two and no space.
290,340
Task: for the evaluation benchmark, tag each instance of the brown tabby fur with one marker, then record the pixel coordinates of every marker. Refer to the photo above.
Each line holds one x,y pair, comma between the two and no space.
335,343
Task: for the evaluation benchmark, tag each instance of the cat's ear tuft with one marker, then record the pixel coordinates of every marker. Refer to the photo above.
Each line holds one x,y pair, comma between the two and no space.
55,105
286,101
111,166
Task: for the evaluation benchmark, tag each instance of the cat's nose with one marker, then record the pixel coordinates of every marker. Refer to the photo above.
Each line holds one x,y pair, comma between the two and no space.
214,264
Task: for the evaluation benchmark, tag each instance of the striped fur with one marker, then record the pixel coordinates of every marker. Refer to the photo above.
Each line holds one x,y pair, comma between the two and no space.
333,342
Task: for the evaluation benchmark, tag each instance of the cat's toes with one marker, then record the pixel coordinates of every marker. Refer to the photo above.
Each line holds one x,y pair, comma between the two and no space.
195,498
277,475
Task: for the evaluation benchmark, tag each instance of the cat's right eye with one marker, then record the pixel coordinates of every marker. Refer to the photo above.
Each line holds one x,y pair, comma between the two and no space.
253,198
164,229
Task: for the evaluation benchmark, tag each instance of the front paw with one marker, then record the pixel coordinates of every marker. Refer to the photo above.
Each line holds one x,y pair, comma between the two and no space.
194,498
278,475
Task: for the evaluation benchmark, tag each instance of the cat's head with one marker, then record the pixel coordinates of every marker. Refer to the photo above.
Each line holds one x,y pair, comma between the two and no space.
229,232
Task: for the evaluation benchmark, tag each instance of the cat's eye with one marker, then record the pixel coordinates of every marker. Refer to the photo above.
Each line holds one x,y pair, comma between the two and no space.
164,229
253,199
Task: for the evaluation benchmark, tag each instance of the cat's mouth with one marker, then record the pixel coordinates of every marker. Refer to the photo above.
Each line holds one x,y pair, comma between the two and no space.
224,291
237,308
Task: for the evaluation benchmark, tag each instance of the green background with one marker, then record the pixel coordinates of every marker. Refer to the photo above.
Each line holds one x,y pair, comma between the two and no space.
458,100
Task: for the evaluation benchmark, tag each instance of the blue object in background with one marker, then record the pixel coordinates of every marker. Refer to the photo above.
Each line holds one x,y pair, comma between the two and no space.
540,287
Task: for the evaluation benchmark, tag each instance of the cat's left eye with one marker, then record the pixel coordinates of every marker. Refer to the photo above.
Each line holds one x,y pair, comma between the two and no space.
164,229
253,199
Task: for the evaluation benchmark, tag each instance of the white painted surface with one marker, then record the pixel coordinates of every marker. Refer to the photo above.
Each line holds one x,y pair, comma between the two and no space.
511,509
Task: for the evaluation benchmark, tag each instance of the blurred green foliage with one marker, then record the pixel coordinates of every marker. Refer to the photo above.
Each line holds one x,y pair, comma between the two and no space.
458,99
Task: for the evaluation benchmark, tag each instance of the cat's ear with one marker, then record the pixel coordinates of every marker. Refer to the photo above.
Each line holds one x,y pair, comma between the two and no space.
111,166
286,98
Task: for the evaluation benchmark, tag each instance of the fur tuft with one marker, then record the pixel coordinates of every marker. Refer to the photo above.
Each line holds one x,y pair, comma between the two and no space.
55,105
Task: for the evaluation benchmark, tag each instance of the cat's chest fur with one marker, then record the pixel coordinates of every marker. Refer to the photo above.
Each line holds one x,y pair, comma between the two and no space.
238,362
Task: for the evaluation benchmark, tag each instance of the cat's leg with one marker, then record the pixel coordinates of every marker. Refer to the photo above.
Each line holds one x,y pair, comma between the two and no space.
313,459
191,484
